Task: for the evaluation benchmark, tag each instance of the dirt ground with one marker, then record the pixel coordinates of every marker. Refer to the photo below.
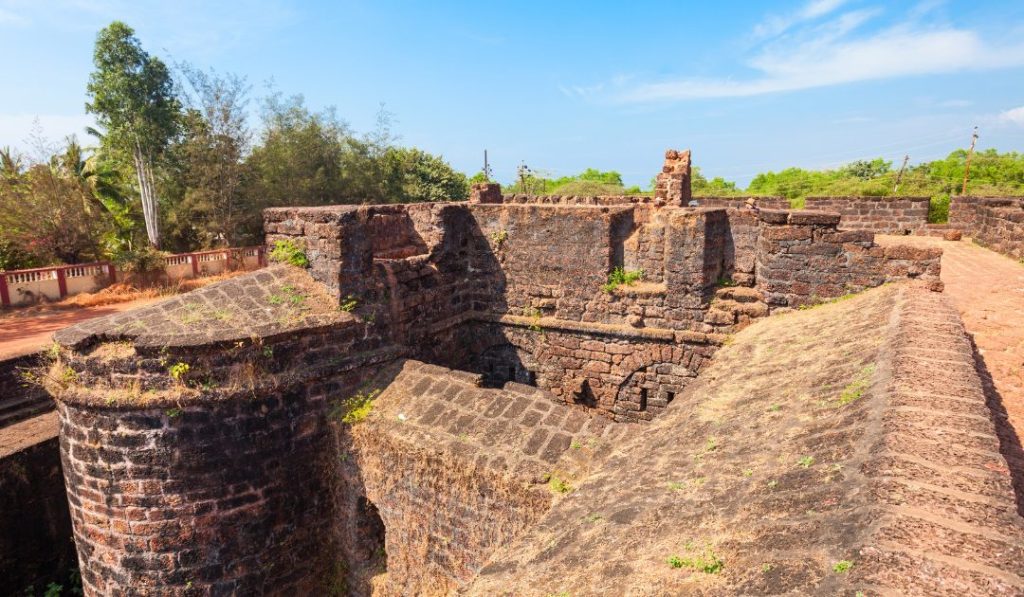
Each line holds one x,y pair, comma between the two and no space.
22,335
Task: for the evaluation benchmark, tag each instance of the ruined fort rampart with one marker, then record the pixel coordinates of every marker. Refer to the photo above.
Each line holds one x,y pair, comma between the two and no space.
436,382
882,215
994,222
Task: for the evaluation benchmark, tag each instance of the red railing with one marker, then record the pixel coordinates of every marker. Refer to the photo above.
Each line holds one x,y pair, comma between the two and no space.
62,273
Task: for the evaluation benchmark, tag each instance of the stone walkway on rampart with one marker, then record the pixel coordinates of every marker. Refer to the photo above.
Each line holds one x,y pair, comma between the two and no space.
988,289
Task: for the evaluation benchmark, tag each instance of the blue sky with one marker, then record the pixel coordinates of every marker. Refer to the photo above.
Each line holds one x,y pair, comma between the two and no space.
748,86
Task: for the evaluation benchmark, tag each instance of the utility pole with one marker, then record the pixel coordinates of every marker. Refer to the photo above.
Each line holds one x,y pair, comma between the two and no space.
487,168
899,176
967,167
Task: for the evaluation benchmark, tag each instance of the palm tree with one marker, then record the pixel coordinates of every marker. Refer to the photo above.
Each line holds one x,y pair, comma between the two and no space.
10,164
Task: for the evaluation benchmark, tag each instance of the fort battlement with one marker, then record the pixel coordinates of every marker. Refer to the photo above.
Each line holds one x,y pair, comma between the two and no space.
444,377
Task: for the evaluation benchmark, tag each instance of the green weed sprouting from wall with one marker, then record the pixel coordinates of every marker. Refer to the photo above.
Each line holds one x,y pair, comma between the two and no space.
622,277
499,238
178,370
856,388
356,408
348,304
287,251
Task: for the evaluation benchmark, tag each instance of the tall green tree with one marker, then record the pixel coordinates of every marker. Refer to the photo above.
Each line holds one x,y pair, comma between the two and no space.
132,95
297,160
208,204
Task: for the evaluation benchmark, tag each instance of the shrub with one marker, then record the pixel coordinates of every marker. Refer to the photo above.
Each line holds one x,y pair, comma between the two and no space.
938,209
707,562
143,266
287,251
348,304
557,484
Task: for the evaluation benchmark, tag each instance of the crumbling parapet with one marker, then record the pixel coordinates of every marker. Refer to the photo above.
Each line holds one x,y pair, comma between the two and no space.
803,259
993,222
673,182
485,192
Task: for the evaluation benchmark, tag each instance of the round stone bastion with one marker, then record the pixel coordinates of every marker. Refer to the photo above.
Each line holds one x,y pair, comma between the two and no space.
194,437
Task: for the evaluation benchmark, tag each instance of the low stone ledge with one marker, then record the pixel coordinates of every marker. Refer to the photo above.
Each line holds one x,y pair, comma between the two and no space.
604,329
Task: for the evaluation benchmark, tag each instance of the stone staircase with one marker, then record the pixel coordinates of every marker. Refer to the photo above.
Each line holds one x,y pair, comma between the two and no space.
735,307
20,400
20,407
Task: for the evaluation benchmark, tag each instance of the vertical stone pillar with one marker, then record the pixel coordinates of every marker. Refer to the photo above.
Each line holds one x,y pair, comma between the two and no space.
485,192
673,183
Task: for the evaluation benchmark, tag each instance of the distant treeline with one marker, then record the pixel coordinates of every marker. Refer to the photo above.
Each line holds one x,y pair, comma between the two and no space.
992,173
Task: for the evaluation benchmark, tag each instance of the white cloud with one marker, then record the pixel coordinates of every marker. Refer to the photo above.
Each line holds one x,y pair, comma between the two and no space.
8,17
830,54
1016,116
774,25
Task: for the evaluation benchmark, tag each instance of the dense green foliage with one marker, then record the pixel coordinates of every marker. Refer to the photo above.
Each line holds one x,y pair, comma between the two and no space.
717,186
588,182
178,165
992,173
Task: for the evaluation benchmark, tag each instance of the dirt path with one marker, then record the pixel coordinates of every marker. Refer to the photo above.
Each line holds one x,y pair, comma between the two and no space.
988,290
22,335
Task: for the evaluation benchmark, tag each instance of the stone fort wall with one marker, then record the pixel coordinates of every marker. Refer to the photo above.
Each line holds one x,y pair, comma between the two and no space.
994,222
242,473
882,215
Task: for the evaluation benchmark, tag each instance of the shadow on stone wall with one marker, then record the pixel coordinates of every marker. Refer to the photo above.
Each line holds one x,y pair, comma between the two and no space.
1009,441
36,544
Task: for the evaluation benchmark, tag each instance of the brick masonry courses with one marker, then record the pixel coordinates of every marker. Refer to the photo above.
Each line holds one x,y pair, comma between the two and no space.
510,289
881,215
456,470
803,258
993,222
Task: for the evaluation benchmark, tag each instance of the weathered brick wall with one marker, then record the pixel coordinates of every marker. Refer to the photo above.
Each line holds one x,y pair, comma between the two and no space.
739,261
883,215
599,200
456,471
210,480
621,373
741,202
221,497
672,185
554,260
994,222
963,213
802,258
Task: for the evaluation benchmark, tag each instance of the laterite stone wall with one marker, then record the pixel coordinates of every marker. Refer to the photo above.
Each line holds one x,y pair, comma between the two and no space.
994,222
882,215
213,498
